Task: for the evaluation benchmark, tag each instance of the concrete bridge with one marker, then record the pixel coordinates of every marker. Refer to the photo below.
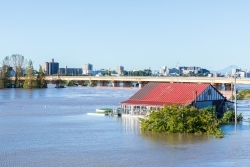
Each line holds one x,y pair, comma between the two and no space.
218,82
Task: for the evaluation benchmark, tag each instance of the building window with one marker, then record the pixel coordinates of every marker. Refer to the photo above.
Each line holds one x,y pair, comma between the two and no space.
209,92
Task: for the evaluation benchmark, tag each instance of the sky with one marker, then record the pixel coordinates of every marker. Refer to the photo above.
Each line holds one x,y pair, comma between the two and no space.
137,34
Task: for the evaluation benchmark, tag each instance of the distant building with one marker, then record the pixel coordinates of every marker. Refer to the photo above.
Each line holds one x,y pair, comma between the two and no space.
87,69
70,71
216,74
241,73
50,68
194,70
99,72
164,71
173,72
119,69
244,74
8,69
235,71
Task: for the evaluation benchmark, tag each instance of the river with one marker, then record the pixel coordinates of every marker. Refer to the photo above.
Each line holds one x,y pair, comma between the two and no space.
50,127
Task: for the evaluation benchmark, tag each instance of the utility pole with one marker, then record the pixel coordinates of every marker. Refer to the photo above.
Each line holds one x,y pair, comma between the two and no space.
235,99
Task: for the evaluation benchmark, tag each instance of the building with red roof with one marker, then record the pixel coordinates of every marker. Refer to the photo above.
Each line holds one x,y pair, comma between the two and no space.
155,95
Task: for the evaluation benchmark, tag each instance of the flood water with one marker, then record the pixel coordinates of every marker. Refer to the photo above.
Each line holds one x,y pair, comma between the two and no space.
50,127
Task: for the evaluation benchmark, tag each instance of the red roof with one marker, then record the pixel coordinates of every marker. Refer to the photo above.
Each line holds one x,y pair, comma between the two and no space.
158,94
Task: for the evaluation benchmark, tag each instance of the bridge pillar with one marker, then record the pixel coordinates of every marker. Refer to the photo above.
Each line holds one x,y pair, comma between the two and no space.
115,84
228,86
142,84
103,83
218,86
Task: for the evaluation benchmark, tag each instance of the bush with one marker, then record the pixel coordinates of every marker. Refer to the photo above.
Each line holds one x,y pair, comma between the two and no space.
182,119
229,116
70,83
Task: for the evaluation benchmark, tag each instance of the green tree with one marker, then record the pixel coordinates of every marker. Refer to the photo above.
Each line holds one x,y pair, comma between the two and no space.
229,117
70,83
41,82
18,62
147,72
107,72
30,80
182,119
5,80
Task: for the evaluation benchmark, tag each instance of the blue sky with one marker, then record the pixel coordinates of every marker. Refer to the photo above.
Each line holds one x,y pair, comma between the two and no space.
137,34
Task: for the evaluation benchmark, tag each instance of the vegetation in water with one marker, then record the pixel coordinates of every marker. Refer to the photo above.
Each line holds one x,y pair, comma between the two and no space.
41,82
229,117
183,119
13,69
5,81
30,80
71,83
243,94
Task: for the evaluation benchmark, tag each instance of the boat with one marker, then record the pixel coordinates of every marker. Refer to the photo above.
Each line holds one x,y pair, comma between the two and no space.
106,111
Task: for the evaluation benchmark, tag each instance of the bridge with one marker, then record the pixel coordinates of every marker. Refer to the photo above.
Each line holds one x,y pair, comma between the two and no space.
217,82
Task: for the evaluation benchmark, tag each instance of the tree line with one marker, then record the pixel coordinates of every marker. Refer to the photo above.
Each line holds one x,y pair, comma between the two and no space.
17,72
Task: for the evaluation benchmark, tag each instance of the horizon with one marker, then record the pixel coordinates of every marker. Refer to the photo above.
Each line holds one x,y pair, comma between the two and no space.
134,34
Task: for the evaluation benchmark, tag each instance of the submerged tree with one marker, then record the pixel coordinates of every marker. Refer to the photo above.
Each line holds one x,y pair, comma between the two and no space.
229,117
41,82
182,119
5,80
18,62
30,80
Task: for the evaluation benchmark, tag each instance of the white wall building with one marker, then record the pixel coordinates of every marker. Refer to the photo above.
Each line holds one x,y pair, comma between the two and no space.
164,71
119,69
244,74
87,69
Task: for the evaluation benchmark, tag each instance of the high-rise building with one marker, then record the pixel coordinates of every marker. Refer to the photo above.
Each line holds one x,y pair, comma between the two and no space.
45,68
119,69
70,71
87,69
50,68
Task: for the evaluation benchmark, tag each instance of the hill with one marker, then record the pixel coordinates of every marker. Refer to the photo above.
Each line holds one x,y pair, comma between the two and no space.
227,69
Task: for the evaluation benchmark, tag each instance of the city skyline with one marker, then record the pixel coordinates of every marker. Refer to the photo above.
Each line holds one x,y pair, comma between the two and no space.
134,34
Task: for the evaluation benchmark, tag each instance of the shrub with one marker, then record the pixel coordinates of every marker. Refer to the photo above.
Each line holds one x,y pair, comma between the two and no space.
182,119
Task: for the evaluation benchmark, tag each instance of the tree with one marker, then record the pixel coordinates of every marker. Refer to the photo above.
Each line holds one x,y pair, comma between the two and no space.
30,81
17,61
5,80
182,119
107,72
41,82
147,72
229,117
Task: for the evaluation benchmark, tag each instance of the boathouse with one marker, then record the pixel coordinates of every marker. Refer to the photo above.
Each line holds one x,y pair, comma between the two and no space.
155,95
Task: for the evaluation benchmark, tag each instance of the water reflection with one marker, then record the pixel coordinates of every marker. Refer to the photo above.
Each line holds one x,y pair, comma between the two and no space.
130,125
175,138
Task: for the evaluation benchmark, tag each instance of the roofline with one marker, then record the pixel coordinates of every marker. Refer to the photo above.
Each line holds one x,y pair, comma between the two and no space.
218,91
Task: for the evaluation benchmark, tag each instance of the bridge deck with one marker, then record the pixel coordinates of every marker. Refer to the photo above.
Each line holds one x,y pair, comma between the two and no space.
212,80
